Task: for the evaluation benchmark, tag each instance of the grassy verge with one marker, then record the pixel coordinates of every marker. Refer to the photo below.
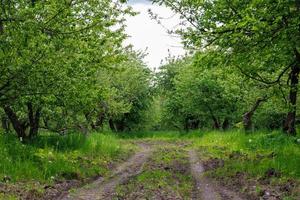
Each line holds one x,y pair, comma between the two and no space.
52,159
263,164
165,176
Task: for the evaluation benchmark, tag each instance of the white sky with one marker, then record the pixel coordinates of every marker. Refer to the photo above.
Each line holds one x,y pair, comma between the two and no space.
146,33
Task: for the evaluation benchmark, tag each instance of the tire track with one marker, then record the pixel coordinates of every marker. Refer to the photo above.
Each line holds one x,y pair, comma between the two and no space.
205,189
104,189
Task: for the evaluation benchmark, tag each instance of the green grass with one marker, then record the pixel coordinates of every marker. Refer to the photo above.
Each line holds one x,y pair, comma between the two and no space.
259,151
52,157
161,135
7,197
166,173
255,153
250,155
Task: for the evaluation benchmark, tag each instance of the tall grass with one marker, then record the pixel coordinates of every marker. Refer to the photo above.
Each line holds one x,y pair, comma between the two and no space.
58,157
256,153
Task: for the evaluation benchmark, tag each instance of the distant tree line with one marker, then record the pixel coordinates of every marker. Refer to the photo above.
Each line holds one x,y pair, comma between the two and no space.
247,63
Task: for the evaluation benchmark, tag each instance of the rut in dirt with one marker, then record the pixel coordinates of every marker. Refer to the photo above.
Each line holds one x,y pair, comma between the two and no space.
104,189
205,189
101,189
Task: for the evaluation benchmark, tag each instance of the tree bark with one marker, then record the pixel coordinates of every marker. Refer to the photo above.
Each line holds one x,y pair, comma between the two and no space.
225,124
289,125
247,117
100,120
120,125
89,120
1,27
34,120
186,124
191,122
216,124
112,125
18,126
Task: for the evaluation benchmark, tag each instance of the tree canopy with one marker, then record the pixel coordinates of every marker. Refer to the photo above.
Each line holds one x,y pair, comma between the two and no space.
64,67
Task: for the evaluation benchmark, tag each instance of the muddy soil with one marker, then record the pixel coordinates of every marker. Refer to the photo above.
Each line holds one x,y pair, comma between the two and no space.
181,163
205,189
104,189
166,175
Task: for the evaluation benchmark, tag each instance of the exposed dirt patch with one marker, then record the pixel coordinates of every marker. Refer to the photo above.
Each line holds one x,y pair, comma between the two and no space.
104,189
213,164
164,170
204,188
270,186
36,190
262,188
165,175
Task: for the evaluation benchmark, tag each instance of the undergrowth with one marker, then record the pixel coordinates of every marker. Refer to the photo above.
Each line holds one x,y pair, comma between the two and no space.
52,157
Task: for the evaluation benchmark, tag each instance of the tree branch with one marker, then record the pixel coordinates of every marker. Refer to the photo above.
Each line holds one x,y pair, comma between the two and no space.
260,79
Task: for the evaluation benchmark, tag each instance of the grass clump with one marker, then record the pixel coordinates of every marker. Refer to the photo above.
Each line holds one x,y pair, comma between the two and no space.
52,157
260,165
165,175
253,153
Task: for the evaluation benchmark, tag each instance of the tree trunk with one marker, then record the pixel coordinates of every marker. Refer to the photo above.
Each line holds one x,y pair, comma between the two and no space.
120,125
247,117
289,125
46,122
18,126
191,122
216,124
1,27
111,125
89,120
100,120
34,120
225,124
186,124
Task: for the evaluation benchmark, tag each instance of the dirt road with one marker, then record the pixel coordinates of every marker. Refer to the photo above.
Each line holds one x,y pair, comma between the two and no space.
169,162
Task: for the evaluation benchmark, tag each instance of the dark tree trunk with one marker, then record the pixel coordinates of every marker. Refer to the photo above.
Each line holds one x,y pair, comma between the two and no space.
101,116
216,124
1,27
186,124
112,125
34,120
225,124
120,125
18,126
46,122
100,120
191,122
89,120
247,117
289,125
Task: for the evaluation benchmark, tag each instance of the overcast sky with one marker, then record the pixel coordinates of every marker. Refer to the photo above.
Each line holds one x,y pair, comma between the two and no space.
146,33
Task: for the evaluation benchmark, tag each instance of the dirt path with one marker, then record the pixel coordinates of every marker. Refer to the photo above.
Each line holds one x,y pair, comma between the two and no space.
205,189
104,189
